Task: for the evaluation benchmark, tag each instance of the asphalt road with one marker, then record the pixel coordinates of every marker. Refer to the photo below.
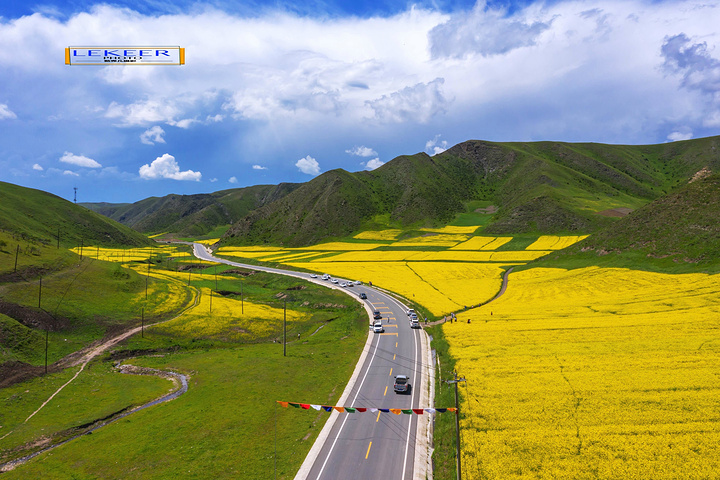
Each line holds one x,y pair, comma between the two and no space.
370,445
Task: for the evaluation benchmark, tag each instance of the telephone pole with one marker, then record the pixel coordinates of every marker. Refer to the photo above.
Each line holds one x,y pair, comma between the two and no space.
457,422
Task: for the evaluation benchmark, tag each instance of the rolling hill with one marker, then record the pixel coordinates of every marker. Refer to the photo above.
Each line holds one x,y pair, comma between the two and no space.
542,187
36,215
192,215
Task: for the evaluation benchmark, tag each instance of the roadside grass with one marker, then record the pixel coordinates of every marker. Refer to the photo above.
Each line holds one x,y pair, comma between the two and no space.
225,426
33,257
98,392
88,301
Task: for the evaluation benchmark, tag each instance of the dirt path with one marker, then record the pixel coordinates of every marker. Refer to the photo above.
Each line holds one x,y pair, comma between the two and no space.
83,356
497,295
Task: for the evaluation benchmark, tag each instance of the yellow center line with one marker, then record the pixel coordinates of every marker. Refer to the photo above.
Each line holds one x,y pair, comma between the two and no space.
394,355
390,375
378,417
385,394
368,452
396,344
389,334
393,326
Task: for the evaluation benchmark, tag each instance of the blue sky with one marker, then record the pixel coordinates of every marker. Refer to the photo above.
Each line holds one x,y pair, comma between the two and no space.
283,91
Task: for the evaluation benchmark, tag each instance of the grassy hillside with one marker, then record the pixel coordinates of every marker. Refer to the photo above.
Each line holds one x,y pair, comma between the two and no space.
30,214
192,215
681,228
539,187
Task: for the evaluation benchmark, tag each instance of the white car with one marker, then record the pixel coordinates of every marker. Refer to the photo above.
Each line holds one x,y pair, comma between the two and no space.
326,276
334,280
312,275
378,327
357,282
410,312
350,284
414,323
343,284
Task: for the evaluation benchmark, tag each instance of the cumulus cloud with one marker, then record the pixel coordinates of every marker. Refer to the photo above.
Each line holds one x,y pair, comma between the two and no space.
79,160
71,173
6,113
153,135
373,164
419,103
259,167
166,167
435,146
308,165
38,167
233,180
485,31
677,136
362,151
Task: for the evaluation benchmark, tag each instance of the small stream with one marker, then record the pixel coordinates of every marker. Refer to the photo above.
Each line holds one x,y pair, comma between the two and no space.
6,467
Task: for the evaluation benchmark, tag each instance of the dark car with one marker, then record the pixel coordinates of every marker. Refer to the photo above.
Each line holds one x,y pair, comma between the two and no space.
363,296
377,315
402,384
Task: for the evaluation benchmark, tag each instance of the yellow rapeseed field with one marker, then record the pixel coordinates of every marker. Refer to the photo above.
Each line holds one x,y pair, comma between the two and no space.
452,229
592,373
432,240
390,234
230,319
554,242
482,243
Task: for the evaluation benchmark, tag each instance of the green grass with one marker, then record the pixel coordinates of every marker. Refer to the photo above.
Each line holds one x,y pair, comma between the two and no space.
97,392
225,425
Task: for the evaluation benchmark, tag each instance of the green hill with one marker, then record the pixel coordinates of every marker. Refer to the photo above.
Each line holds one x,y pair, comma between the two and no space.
35,215
681,227
538,187
192,215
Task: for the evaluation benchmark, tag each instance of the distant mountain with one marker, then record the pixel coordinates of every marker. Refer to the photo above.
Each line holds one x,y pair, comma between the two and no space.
192,215
542,187
38,215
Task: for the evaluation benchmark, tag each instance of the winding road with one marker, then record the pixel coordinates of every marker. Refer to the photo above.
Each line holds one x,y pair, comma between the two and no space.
372,445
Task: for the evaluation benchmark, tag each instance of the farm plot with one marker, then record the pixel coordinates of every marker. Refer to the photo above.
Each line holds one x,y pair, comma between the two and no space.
592,373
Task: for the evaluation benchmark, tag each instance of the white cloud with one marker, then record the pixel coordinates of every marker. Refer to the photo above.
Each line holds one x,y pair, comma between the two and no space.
259,167
6,113
79,160
71,173
308,165
166,167
233,180
213,180
676,136
373,164
435,146
419,103
153,135
362,151
38,167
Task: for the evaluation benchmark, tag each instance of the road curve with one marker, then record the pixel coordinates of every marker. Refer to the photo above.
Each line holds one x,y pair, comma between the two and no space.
371,445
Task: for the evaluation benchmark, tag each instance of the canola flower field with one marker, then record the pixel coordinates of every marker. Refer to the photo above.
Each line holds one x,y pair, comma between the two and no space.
458,269
592,373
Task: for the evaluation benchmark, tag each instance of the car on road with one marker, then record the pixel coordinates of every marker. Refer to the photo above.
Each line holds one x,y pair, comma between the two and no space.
378,327
326,276
350,284
413,317
402,384
342,284
410,312
363,296
312,275
357,282
377,315
334,280
414,323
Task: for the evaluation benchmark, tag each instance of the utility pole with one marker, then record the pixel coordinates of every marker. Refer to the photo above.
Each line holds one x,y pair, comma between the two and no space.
75,198
284,325
457,422
82,241
17,253
47,330
146,282
242,301
40,293
142,323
